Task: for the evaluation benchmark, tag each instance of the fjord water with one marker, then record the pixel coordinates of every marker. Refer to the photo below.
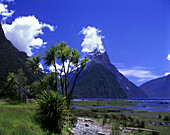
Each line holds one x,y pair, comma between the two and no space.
150,105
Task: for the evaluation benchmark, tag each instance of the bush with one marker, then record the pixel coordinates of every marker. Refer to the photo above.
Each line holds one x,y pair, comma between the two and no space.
142,124
73,120
52,113
104,121
166,118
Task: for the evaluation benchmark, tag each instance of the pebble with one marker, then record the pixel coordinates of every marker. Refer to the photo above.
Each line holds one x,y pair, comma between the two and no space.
90,127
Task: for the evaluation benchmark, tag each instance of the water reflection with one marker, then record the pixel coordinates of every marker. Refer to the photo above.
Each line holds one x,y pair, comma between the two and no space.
135,105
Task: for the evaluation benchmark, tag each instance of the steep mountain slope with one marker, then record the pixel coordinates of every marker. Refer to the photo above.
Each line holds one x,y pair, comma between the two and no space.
98,82
158,88
131,89
11,59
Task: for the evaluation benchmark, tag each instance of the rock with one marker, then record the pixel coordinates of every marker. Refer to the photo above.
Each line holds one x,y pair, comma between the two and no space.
90,127
100,133
86,125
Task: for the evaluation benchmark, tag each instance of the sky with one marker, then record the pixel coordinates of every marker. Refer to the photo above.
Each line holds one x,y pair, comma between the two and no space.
134,33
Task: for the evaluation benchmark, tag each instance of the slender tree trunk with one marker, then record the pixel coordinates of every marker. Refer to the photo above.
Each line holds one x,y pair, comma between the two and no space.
56,72
22,88
72,89
65,83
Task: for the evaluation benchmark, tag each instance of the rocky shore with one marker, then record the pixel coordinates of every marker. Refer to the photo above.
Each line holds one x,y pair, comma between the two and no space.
90,127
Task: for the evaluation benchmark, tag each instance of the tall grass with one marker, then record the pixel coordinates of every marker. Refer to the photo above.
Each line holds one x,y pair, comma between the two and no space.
17,120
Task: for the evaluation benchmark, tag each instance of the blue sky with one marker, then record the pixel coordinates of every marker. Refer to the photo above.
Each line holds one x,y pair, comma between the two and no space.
134,33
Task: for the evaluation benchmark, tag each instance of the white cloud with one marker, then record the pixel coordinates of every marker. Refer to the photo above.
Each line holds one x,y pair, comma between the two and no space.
5,12
6,0
24,32
41,66
168,57
167,73
140,74
52,69
9,0
92,40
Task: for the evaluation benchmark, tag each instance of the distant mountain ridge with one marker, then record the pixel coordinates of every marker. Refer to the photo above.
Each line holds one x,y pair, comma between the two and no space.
100,59
100,79
158,88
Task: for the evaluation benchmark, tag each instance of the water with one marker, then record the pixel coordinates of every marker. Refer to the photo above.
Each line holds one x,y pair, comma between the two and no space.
150,105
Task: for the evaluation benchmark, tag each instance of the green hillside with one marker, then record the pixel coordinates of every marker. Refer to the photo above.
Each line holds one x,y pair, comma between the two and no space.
11,59
98,82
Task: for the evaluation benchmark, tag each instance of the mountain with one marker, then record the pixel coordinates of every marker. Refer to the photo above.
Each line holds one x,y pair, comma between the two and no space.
11,59
102,76
158,88
97,82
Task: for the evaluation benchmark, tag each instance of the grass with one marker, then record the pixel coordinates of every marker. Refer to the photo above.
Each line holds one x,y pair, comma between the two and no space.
123,104
18,119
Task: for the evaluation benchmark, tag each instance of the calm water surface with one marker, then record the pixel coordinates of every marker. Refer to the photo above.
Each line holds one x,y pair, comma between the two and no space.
136,105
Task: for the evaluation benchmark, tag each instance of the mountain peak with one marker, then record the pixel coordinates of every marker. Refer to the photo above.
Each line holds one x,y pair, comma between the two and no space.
97,51
131,89
99,56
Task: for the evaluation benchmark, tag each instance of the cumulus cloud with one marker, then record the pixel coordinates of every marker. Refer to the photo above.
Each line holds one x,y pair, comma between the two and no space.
92,40
168,57
24,32
51,68
5,12
41,66
141,74
167,73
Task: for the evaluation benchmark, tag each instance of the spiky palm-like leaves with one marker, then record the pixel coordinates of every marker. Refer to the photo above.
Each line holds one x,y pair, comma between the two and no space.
52,112
11,87
11,79
16,87
50,56
33,65
70,60
50,59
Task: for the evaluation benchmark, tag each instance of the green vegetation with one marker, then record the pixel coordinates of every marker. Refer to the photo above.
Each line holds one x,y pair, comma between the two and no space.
105,86
16,87
18,119
69,59
52,112
127,119
95,103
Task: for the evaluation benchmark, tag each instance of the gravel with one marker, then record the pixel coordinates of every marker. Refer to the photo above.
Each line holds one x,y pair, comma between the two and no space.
90,127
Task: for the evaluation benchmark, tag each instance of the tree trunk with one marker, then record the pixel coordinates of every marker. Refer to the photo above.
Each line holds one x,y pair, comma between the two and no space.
56,75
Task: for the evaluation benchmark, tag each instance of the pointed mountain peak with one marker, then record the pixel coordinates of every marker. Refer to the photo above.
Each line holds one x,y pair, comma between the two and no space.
99,56
96,52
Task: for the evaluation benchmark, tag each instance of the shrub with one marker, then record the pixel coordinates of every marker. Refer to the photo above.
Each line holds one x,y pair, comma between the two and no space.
142,124
73,120
104,121
166,118
52,112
